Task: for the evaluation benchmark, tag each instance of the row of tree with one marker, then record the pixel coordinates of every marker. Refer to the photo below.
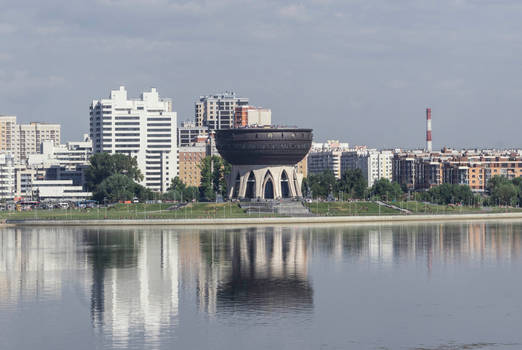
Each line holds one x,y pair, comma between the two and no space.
351,185
113,177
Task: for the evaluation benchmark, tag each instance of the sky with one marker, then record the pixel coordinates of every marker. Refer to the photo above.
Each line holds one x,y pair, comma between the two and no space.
359,71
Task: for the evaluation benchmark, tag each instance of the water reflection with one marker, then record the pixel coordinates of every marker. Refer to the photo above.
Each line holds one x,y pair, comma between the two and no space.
140,285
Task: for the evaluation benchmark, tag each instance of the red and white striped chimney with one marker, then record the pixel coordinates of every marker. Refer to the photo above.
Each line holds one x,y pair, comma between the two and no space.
428,130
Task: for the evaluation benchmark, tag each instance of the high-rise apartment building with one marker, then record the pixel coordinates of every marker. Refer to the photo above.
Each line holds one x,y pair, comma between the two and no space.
20,140
143,128
32,135
188,133
9,135
7,176
217,111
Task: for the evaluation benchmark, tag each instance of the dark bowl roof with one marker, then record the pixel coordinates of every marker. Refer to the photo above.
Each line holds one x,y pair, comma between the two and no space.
264,146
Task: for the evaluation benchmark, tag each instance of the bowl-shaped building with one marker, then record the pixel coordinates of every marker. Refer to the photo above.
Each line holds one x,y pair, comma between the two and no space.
263,161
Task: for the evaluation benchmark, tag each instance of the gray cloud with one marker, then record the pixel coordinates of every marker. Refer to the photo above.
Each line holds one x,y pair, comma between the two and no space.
360,70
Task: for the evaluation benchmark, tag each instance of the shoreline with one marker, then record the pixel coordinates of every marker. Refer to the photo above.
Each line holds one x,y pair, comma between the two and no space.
260,221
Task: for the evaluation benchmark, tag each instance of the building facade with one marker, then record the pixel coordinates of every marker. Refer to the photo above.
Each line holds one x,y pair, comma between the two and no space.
252,116
32,135
217,111
374,164
143,128
7,176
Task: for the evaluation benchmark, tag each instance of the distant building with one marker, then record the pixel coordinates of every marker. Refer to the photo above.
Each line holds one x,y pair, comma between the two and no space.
326,157
32,135
143,128
7,176
188,133
217,111
374,164
9,135
52,190
21,140
250,116
68,155
189,161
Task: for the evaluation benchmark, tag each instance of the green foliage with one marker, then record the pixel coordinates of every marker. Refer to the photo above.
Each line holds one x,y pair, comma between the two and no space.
504,191
353,184
181,192
119,187
214,170
386,190
320,185
449,194
104,165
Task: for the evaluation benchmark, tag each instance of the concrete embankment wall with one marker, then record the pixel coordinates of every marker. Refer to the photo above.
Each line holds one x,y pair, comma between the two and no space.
269,221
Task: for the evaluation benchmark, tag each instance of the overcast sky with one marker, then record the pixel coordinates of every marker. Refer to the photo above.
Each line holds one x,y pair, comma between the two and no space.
361,71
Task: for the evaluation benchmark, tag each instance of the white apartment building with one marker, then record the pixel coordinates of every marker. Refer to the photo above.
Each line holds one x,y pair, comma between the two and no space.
374,164
326,157
68,155
143,128
7,176
217,111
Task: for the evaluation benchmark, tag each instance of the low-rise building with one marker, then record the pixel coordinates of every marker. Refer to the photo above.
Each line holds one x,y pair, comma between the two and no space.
252,116
53,190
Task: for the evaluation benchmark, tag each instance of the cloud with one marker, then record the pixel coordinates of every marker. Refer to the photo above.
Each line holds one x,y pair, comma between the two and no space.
296,12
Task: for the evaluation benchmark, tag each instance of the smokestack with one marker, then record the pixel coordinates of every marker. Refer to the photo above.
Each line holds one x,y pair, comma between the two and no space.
428,130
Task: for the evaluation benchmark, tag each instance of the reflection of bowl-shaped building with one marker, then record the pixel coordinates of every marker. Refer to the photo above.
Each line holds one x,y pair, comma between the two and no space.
263,161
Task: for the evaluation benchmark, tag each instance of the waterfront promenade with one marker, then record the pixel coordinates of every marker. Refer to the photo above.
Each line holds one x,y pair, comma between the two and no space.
254,221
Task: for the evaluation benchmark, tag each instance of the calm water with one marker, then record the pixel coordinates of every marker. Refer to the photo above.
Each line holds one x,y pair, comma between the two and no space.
415,286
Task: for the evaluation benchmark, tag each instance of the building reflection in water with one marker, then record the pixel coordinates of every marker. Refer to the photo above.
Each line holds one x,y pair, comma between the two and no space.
255,270
135,278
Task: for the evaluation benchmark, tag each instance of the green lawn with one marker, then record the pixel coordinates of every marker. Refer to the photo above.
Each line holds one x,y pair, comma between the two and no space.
349,209
133,211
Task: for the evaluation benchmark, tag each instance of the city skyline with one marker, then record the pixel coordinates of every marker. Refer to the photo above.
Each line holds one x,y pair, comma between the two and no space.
351,71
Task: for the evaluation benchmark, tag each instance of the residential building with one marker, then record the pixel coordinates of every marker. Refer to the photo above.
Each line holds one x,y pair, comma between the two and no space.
32,135
9,135
217,111
69,155
143,128
326,157
188,133
7,176
189,161
374,164
249,116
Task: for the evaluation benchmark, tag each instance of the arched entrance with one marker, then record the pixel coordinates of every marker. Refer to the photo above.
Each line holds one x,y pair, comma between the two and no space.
268,186
251,186
237,184
285,188
269,189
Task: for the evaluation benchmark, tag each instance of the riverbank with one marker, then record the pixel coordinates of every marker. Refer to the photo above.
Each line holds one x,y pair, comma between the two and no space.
253,221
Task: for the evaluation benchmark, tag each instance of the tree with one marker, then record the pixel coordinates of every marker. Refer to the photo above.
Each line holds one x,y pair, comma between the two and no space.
214,170
384,189
321,185
503,191
119,187
104,165
353,183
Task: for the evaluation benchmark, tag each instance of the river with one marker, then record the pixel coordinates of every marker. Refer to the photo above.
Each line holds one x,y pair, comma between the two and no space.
455,285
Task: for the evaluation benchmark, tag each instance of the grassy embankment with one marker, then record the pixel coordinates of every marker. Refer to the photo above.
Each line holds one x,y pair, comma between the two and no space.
349,209
232,210
134,211
423,208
